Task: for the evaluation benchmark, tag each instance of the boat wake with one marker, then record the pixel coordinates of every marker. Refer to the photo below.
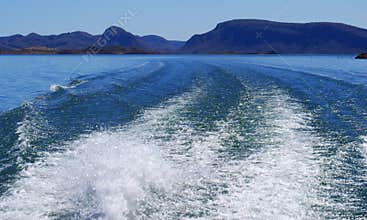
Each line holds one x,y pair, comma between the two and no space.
208,143
160,167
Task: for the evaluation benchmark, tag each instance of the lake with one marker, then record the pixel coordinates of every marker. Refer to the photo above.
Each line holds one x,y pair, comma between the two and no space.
183,137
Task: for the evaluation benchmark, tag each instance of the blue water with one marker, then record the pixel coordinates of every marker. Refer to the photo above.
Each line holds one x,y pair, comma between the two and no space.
183,137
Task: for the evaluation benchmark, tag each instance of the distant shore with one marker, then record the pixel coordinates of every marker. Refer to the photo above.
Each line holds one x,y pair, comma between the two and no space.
52,51
110,50
127,51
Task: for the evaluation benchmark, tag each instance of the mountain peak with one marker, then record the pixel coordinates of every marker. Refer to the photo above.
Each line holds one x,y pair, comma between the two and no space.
154,38
33,35
114,30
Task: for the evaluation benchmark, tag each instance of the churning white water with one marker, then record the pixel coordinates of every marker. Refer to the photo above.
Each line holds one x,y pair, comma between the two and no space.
160,167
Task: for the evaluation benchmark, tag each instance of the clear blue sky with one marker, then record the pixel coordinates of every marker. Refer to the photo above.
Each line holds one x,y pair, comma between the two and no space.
168,18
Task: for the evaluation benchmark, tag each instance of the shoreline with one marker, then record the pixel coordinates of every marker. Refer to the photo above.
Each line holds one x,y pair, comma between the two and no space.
356,55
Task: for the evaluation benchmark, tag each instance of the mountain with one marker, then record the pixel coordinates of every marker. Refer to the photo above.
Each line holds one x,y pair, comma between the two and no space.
118,37
113,37
74,40
236,36
261,36
158,43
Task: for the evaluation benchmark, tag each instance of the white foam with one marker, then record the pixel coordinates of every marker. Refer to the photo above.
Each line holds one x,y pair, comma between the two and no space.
112,169
364,145
277,182
56,87
160,167
34,126
158,66
107,173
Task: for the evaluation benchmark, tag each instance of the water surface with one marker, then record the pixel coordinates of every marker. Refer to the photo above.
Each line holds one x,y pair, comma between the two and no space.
183,137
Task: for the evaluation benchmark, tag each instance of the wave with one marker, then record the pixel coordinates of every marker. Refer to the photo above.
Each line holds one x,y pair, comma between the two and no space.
340,76
56,87
102,175
124,73
364,145
90,104
216,148
315,72
160,166
278,180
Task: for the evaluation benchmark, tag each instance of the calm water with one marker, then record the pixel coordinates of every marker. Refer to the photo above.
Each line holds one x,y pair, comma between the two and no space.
183,137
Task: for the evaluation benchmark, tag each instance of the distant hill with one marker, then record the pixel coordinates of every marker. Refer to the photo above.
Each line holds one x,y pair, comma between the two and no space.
74,40
158,43
113,37
260,36
231,37
118,37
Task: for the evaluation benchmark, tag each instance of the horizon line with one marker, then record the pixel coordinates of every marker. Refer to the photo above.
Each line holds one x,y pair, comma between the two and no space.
144,35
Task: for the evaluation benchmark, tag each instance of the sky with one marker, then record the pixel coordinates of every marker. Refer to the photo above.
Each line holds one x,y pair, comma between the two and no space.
172,19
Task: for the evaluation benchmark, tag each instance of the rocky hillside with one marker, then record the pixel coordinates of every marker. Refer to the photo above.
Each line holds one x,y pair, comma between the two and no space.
260,36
